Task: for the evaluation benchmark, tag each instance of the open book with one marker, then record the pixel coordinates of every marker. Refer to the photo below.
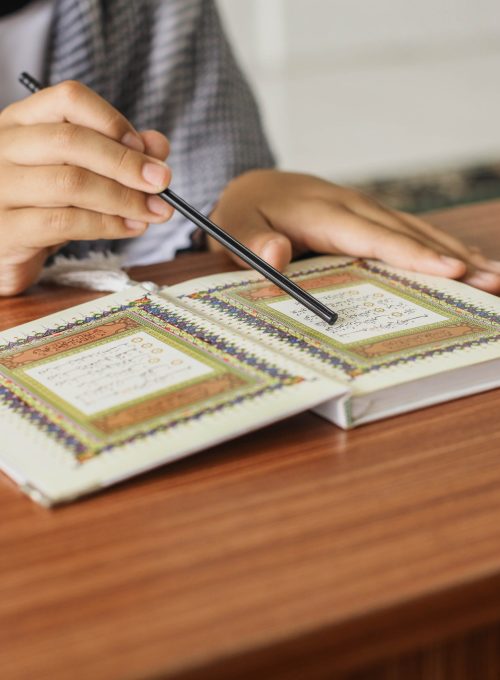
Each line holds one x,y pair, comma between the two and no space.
111,388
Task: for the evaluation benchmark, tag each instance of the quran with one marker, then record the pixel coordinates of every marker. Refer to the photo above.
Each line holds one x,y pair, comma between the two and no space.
133,380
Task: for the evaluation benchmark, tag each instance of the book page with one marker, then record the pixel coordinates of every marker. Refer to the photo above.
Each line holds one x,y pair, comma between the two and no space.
393,326
366,313
119,371
113,387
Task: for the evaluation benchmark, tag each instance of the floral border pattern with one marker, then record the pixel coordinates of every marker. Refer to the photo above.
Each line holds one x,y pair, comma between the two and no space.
60,428
219,299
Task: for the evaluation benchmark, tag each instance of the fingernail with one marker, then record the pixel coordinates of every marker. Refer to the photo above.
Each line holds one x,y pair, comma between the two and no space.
135,224
479,277
269,250
133,141
157,206
495,264
156,174
451,261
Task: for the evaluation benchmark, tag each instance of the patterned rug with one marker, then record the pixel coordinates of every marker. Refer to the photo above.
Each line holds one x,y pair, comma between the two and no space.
437,190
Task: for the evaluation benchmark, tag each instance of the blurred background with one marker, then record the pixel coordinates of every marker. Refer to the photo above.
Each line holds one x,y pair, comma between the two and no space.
400,98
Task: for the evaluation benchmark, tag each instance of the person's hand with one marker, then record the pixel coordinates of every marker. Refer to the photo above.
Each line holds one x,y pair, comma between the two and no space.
279,214
72,168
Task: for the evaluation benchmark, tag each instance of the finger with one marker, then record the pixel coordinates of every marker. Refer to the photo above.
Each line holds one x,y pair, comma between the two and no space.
483,262
257,235
487,281
481,272
73,102
46,227
471,255
439,241
61,186
406,252
156,144
405,224
66,143
347,232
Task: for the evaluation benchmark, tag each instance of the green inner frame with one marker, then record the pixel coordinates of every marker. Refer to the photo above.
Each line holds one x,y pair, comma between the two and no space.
80,423
280,319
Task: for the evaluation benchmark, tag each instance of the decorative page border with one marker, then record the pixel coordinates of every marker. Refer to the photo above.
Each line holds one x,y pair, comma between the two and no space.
231,301
259,376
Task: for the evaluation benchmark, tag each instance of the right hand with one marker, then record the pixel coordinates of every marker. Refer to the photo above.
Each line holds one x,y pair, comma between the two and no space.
72,168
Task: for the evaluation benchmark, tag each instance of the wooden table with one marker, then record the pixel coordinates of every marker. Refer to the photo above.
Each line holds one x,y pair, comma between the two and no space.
300,551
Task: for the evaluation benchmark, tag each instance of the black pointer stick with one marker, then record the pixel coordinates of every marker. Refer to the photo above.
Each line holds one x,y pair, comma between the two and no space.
229,241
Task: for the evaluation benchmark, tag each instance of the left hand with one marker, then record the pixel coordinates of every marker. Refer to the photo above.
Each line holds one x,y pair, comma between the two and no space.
280,214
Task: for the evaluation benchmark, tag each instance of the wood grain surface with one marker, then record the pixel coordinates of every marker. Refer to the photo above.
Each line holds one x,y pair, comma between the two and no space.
300,551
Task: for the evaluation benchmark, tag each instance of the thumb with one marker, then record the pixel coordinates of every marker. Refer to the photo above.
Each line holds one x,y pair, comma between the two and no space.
258,235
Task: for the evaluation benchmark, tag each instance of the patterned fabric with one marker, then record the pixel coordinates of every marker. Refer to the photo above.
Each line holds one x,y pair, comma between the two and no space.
165,64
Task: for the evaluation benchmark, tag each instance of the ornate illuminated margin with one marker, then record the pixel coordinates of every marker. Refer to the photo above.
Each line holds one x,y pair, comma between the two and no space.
477,326
249,376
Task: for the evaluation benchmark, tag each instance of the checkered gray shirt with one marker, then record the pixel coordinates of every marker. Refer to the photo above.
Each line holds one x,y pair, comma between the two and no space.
165,64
